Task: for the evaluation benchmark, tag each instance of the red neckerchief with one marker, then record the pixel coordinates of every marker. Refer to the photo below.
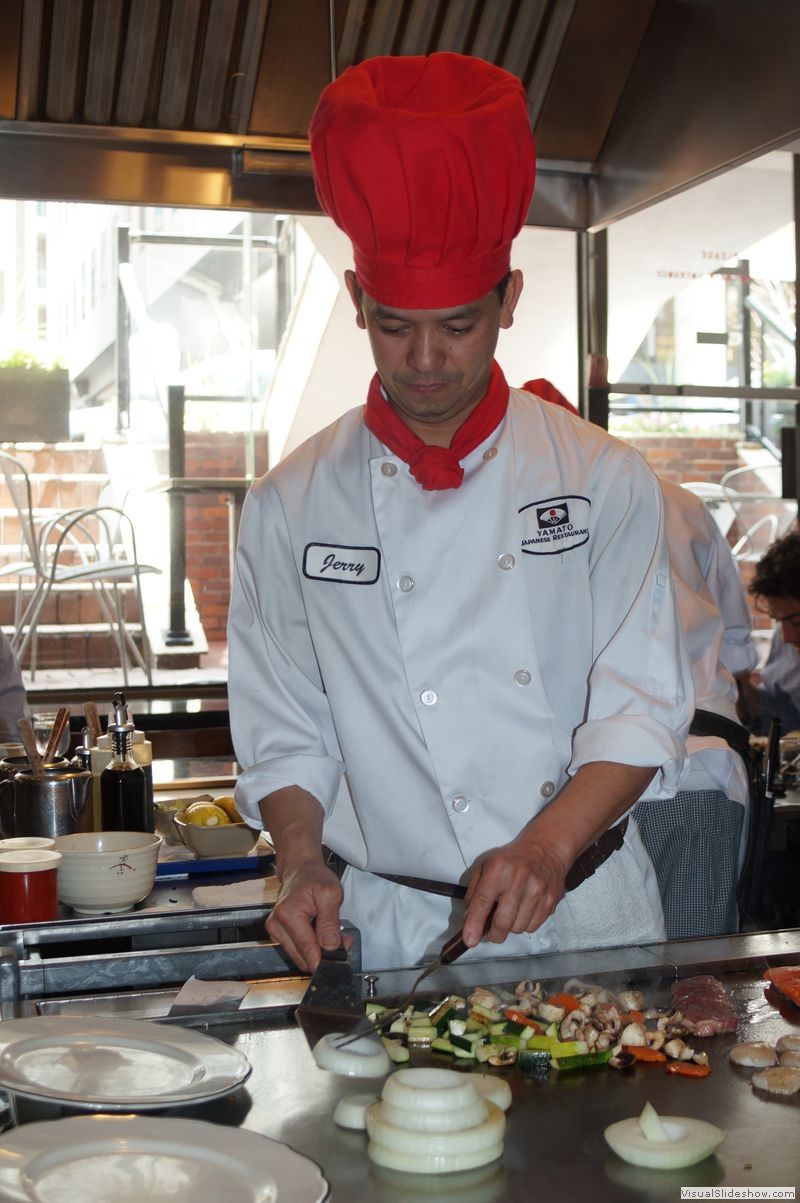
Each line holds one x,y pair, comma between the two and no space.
437,467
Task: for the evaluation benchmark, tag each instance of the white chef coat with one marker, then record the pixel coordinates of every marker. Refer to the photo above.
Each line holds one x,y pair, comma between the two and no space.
432,666
716,624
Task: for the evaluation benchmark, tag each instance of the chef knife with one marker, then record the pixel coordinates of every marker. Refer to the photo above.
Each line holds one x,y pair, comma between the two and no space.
332,1002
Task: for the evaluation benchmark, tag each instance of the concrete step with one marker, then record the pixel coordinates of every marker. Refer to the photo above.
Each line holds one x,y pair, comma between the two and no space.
76,645
66,604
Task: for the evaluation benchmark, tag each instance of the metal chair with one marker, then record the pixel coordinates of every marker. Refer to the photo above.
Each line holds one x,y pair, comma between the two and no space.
96,545
761,514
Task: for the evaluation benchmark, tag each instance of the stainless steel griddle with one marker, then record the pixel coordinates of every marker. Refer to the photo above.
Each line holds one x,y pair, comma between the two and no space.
554,1147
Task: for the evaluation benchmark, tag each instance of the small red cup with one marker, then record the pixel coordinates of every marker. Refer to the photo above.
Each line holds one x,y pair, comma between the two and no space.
29,885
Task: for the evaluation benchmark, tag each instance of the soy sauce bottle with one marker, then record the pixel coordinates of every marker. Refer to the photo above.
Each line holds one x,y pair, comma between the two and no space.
123,785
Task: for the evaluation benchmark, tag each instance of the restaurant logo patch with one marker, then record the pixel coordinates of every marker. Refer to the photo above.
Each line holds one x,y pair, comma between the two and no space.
346,565
555,524
553,515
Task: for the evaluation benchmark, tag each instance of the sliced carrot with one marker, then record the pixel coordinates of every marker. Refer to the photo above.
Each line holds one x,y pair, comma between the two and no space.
632,1017
521,1017
568,1001
688,1069
643,1052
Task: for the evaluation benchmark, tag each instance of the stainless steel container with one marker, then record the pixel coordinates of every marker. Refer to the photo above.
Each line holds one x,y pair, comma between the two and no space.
57,803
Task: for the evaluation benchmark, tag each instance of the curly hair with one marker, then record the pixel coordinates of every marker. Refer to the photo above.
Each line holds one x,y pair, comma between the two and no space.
778,573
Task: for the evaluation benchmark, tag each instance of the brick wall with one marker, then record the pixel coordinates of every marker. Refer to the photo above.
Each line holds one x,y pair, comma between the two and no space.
207,549
681,458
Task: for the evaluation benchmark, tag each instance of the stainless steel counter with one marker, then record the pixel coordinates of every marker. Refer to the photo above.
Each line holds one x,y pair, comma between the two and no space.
554,1148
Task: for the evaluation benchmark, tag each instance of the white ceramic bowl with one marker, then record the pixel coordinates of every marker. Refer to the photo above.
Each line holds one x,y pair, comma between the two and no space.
103,872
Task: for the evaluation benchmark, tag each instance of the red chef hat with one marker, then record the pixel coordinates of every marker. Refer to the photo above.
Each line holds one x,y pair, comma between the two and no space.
427,164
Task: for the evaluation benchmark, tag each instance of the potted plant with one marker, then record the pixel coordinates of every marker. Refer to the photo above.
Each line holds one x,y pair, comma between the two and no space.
34,400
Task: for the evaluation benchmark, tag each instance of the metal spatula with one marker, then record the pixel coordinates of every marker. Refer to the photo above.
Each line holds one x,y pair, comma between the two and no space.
450,952
332,1002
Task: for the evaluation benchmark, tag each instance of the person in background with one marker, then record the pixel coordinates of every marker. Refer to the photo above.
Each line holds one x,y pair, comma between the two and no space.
13,704
455,658
775,690
695,838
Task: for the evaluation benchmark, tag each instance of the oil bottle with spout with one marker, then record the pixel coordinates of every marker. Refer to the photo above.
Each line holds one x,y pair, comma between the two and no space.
124,804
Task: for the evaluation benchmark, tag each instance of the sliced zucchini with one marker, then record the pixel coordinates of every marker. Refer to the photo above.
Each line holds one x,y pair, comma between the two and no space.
421,1036
533,1060
582,1060
441,1045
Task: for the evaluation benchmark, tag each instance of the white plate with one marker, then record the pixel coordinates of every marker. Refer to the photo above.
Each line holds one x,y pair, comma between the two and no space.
115,1064
131,1159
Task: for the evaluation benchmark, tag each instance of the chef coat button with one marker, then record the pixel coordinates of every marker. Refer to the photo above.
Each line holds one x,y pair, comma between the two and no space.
506,560
389,469
490,453
428,697
548,789
460,803
406,584
522,676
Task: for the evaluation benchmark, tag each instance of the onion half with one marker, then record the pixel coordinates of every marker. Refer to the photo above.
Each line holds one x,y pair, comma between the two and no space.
429,1089
668,1142
351,1111
475,1138
435,1121
364,1058
433,1163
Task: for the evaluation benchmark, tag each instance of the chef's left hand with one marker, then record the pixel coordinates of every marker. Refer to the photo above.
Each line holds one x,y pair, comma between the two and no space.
523,881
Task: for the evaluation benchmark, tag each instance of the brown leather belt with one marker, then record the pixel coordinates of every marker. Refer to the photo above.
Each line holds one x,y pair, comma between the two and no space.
587,863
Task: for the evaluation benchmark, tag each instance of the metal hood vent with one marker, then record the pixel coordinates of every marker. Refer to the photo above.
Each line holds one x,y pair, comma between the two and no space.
206,102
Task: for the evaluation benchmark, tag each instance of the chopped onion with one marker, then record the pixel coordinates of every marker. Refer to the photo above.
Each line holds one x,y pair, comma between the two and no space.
363,1058
351,1111
493,1088
663,1143
432,1163
429,1089
435,1144
435,1121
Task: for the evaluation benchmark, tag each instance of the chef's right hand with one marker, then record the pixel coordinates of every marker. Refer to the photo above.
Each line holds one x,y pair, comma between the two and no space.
305,917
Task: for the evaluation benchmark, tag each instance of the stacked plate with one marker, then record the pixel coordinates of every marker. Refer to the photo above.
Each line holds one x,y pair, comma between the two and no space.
122,1066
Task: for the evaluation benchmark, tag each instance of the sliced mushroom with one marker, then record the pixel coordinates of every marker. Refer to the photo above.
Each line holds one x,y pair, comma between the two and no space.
678,1050
485,998
633,1033
655,1040
571,1025
622,1060
631,1000
551,1014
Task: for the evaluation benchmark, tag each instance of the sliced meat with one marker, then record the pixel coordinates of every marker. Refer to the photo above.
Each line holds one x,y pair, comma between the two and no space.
786,979
704,1004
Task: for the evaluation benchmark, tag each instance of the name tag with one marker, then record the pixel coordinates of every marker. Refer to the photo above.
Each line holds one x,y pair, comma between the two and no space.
348,565
555,524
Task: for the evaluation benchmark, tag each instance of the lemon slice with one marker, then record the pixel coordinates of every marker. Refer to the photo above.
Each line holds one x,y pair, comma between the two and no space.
207,814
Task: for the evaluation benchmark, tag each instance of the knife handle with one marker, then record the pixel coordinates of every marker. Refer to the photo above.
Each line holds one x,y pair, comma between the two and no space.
455,946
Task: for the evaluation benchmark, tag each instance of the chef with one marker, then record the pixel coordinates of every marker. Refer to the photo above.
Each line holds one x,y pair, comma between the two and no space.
695,839
455,659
